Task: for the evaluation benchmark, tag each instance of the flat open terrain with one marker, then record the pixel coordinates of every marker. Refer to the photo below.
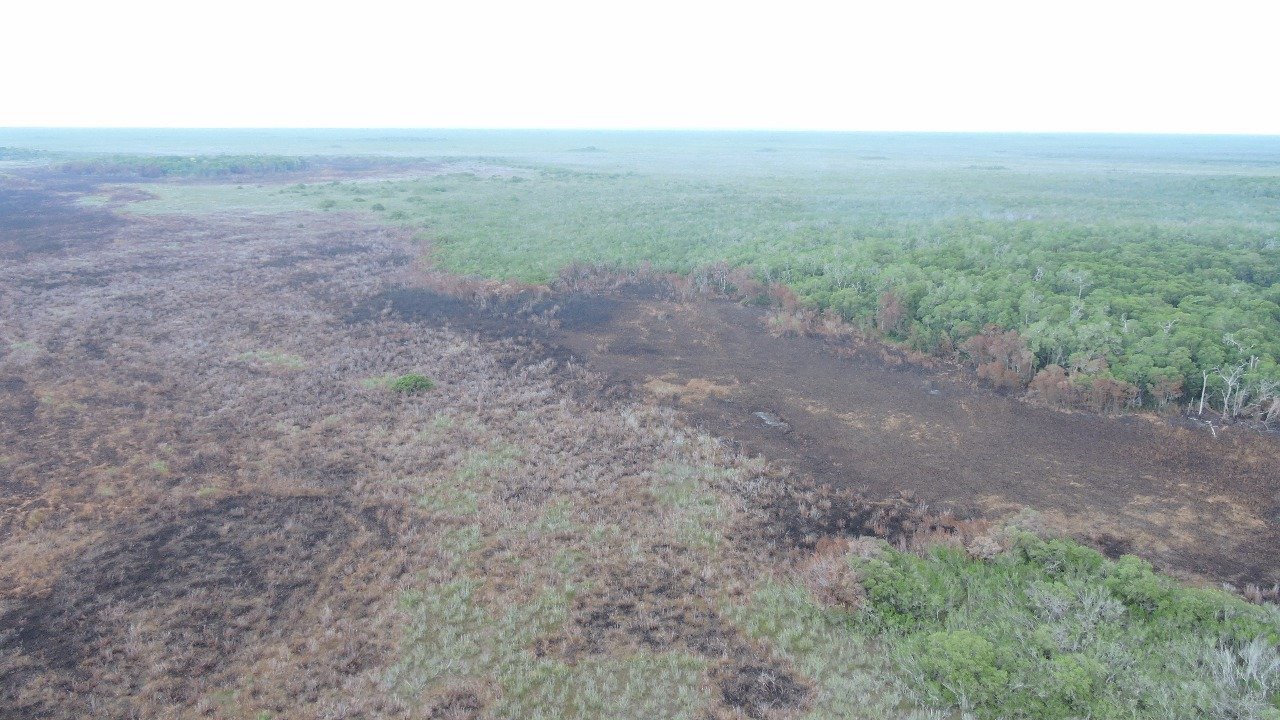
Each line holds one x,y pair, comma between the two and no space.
215,503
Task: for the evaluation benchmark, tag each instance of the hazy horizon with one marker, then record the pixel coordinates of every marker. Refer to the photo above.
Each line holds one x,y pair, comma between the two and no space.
920,66
635,129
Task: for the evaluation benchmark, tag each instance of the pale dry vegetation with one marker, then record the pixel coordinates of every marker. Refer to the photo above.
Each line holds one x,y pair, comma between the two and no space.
216,505
239,480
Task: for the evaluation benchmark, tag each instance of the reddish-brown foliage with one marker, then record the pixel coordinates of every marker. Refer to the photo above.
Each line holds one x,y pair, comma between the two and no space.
1002,357
890,312
1051,385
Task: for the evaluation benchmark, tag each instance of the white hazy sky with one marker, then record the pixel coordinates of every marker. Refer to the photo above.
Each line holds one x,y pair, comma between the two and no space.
1030,65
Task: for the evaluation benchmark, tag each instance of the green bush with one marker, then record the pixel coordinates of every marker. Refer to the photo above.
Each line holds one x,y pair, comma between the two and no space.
1052,629
961,666
411,383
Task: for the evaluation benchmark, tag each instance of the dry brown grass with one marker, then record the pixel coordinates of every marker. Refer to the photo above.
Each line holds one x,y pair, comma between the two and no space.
213,508
210,510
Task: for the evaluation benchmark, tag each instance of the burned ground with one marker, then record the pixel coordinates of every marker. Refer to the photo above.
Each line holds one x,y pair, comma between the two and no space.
213,505
35,220
859,417
204,587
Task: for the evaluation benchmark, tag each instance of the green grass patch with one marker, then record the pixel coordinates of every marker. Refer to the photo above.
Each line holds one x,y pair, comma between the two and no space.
451,498
453,638
273,358
700,516
209,198
556,517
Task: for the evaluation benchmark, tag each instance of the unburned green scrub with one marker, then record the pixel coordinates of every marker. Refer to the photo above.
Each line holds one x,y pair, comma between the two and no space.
411,384
1051,629
851,675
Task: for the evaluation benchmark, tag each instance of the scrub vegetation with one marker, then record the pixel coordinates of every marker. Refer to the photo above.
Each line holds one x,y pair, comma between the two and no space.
1108,283
264,462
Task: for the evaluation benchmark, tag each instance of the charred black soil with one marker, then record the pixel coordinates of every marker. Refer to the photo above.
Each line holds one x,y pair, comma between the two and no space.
212,581
854,416
34,220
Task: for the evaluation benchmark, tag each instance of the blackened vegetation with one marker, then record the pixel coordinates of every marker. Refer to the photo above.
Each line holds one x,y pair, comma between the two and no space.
659,606
654,606
34,221
802,513
205,581
756,687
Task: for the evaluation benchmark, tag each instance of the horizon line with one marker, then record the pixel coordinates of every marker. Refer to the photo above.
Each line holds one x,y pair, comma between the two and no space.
641,129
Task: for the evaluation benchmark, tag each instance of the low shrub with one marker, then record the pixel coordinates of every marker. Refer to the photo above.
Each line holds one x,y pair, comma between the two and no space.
1053,629
411,384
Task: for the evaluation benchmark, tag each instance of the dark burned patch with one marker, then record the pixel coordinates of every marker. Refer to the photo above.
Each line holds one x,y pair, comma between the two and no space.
583,311
1113,546
655,606
759,687
802,513
316,469
17,401
85,277
36,221
202,584
633,347
861,417
453,703
413,304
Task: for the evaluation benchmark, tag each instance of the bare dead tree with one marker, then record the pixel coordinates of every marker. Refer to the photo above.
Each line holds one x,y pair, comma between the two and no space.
1231,387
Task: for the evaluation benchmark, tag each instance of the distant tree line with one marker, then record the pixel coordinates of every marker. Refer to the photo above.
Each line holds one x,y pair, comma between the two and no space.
15,153
160,166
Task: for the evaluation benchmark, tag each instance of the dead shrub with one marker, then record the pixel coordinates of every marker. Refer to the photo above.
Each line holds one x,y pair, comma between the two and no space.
782,323
830,578
1001,356
1108,395
1052,386
890,312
